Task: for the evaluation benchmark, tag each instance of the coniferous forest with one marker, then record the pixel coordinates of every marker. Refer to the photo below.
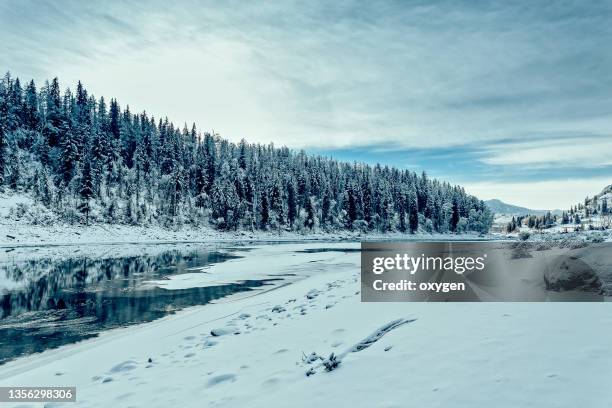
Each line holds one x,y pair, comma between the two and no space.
86,160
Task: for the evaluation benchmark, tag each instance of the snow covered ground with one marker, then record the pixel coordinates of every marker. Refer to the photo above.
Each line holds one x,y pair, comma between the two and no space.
255,351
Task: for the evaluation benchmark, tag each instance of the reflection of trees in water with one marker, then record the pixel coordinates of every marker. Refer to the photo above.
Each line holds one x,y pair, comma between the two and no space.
49,284
88,313
71,300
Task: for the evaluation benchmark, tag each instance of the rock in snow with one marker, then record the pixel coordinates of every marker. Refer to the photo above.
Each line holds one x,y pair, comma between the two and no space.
571,273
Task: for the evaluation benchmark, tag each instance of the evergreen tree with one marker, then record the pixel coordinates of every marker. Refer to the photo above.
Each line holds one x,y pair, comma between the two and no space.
326,210
30,107
14,167
351,207
311,214
86,190
455,215
54,119
69,155
42,190
277,210
210,162
292,203
413,215
265,212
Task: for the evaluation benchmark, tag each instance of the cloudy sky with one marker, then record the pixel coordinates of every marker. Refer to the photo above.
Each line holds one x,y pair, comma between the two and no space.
514,101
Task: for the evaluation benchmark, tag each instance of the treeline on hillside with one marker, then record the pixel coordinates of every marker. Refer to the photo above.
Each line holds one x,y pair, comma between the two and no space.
534,221
85,160
570,217
591,206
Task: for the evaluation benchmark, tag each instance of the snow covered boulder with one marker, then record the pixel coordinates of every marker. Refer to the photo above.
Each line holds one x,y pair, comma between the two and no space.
571,273
222,331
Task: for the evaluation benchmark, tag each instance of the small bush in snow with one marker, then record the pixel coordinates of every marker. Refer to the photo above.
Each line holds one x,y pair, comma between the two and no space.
331,363
311,358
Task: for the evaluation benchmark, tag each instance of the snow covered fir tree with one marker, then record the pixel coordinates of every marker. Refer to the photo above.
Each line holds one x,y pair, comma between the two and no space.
84,160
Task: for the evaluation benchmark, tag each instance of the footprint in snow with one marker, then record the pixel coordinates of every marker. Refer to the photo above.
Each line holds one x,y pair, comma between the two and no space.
210,343
125,366
122,396
313,293
218,379
271,382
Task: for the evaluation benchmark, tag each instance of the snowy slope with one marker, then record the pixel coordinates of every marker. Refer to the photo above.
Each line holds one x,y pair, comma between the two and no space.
605,194
447,355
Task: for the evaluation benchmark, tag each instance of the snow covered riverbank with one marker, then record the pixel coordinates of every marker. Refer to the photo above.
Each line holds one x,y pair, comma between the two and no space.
255,351
20,231
20,234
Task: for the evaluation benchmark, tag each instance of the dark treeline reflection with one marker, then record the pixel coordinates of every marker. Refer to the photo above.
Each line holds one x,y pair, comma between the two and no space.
58,302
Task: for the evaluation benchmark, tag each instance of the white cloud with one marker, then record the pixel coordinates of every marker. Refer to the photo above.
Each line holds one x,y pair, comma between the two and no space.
328,75
573,152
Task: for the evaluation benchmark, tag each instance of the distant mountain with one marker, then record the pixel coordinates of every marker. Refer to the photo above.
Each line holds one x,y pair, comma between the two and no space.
499,207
